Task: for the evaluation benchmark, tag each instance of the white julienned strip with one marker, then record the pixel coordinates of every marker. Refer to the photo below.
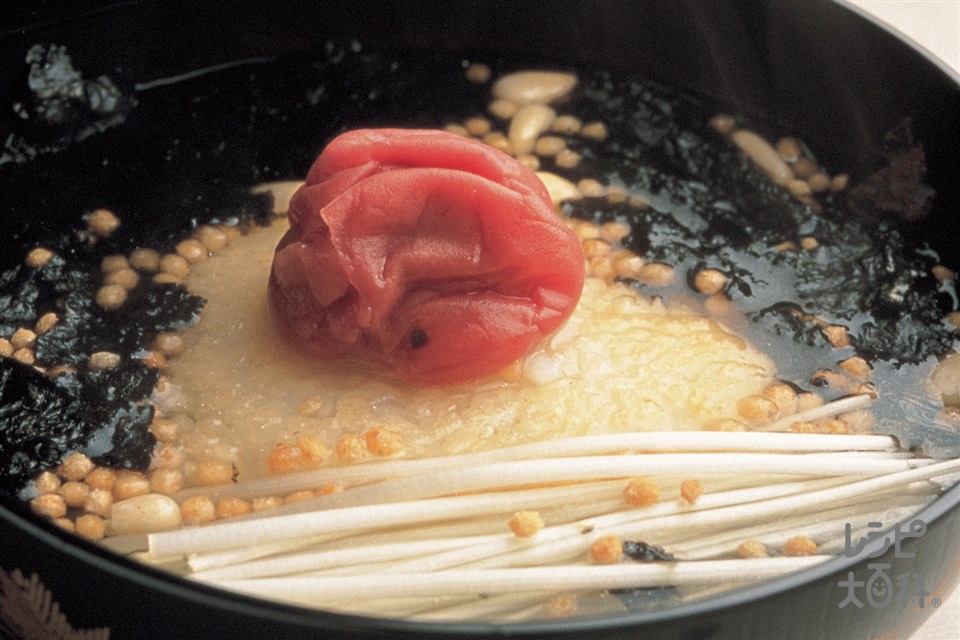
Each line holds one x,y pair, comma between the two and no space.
418,531
557,578
827,525
828,410
503,543
579,506
223,536
245,555
648,441
498,475
832,491
484,477
413,533
443,555
737,514
334,558
507,546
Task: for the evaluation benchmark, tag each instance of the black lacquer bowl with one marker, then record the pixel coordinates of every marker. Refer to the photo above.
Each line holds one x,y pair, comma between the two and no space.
818,68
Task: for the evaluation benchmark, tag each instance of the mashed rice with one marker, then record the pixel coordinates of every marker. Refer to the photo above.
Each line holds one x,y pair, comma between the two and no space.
622,362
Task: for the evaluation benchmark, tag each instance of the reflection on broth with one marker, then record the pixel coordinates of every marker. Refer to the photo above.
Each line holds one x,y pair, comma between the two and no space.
715,411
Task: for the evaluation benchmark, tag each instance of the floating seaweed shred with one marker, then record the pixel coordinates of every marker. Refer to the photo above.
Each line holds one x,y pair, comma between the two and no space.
101,412
646,552
712,206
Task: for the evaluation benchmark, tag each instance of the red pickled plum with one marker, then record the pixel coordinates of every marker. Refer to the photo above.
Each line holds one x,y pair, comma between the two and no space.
433,257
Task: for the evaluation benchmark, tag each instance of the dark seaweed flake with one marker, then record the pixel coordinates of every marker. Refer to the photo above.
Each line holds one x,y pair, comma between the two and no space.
787,319
71,341
644,552
647,598
25,290
152,309
100,412
713,207
125,440
40,422
107,390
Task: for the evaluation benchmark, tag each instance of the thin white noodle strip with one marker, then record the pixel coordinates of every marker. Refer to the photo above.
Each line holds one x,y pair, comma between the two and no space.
200,562
418,531
337,558
271,565
501,543
485,477
579,577
377,556
825,526
433,485
340,540
652,441
726,516
830,409
707,499
228,535
566,513
412,608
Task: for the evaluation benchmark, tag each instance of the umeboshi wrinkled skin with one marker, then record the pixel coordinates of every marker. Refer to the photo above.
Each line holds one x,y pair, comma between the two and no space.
433,257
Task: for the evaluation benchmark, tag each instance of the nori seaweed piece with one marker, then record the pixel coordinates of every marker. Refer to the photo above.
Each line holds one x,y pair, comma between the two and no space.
130,441
27,292
155,308
40,422
869,280
787,319
103,413
83,327
100,413
113,402
106,390
643,599
713,206
644,552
